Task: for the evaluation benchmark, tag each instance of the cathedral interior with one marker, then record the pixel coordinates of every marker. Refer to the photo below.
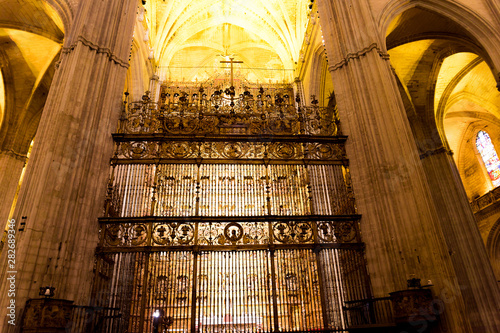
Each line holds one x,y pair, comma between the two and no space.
250,166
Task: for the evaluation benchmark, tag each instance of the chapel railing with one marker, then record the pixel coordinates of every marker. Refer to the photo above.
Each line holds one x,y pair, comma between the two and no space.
90,319
370,312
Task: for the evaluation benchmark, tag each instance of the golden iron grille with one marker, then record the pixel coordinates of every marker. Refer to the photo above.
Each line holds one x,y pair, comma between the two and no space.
229,219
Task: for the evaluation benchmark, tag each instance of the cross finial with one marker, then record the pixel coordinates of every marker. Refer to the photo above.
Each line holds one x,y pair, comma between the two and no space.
231,61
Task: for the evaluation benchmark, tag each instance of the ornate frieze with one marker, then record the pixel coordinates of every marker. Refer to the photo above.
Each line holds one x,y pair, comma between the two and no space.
145,149
141,232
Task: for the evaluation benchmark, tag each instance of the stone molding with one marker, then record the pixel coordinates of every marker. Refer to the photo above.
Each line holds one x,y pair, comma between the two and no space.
357,55
16,155
493,236
435,151
94,47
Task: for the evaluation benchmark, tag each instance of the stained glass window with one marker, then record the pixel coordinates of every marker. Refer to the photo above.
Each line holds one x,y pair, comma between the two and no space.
489,156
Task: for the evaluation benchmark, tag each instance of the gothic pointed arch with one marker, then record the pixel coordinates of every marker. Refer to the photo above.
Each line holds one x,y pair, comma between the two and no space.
453,21
493,247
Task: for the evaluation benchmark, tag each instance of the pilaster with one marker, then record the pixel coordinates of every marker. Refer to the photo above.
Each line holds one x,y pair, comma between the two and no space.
400,225
66,176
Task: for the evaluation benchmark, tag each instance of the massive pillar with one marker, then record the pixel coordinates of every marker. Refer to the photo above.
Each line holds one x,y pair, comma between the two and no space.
11,164
466,248
400,224
66,177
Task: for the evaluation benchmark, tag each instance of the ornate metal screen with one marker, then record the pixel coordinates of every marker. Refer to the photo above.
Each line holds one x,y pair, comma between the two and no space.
229,217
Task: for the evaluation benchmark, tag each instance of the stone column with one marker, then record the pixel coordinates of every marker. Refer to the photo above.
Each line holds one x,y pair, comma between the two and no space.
11,164
399,225
468,254
66,177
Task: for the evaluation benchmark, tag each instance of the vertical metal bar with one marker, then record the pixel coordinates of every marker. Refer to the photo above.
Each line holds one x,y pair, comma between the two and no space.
214,187
204,296
274,295
144,294
306,269
186,309
235,301
262,188
163,204
198,190
132,188
322,278
268,188
176,204
247,206
180,273
174,263
233,185
204,191
197,301
137,197
210,279
154,190
127,189
188,189
247,301
215,262
241,268
269,294
264,302
299,291
175,198
261,275
194,291
183,189
171,203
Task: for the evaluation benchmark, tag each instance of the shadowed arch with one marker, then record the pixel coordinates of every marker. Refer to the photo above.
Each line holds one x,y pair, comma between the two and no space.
493,247
472,28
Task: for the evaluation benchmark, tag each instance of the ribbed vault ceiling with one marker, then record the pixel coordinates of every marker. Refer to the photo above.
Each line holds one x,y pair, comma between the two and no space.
190,38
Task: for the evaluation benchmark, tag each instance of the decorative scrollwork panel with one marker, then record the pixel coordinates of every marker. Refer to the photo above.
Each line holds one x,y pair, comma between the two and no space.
172,234
229,233
293,232
233,233
325,151
125,234
337,232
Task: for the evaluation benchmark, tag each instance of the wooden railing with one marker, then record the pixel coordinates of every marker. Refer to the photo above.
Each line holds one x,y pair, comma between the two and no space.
88,319
370,312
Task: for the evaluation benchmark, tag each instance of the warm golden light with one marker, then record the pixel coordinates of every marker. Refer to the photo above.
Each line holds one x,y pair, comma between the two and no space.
266,36
37,51
2,98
